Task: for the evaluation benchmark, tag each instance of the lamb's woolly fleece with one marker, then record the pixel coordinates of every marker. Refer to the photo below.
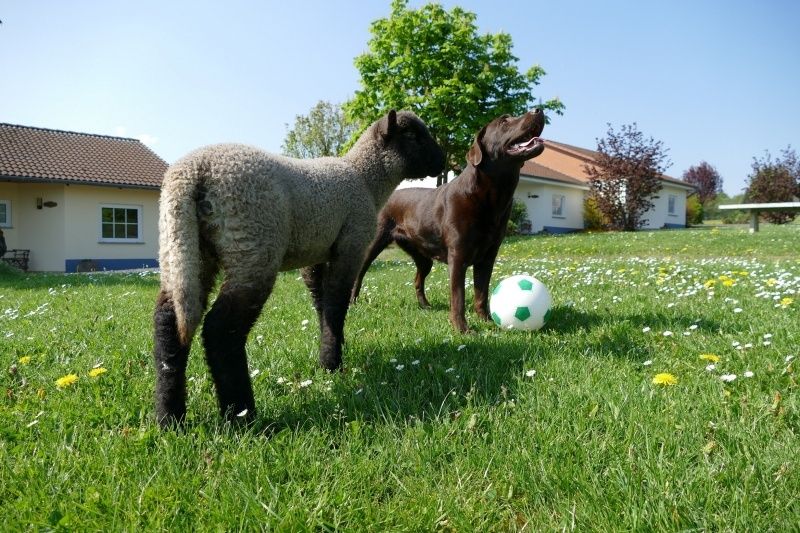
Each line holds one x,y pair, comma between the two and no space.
257,213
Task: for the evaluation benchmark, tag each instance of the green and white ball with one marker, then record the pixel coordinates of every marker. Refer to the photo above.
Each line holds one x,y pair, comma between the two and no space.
520,302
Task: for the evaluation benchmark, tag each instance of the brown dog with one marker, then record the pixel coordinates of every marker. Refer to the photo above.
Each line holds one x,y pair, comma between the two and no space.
463,222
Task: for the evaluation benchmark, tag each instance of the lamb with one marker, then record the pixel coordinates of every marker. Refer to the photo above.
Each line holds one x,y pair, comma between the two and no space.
252,214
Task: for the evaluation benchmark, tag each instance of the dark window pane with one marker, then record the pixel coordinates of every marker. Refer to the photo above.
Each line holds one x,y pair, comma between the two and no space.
119,215
108,214
108,231
133,216
133,231
119,231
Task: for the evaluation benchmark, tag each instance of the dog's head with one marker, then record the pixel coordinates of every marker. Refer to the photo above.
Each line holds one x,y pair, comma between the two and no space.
406,140
508,140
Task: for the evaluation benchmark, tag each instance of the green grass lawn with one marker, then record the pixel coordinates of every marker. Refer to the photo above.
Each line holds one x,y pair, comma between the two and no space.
427,429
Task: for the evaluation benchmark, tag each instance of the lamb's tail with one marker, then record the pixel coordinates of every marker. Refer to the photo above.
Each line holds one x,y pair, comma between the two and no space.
179,246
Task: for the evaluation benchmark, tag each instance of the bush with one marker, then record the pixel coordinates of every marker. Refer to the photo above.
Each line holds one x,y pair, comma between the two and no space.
593,218
519,214
694,210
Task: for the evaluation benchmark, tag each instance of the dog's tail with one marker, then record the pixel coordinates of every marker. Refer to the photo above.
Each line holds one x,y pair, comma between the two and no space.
179,245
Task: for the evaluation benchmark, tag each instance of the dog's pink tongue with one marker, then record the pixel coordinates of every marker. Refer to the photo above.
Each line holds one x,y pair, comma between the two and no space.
527,144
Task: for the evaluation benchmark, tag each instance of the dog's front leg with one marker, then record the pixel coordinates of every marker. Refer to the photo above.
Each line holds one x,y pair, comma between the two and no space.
482,275
458,269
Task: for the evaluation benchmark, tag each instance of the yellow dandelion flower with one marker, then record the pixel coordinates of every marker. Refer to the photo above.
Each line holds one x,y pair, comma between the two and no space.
729,283
771,282
786,302
25,360
97,371
744,273
709,357
710,283
665,378
66,381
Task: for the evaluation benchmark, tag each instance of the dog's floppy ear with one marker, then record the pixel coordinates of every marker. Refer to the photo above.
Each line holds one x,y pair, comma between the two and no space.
475,154
388,125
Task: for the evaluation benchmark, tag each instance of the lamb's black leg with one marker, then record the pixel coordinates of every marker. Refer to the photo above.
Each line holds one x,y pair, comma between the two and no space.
170,358
337,282
225,332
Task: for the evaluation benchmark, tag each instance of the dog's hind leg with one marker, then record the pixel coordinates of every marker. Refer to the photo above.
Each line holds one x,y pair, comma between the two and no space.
225,332
424,266
383,238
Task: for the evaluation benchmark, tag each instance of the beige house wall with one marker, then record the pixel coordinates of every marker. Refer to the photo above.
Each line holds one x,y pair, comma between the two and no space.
83,239
70,230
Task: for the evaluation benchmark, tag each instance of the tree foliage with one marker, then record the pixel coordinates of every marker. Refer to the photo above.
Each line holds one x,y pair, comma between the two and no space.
707,181
625,175
325,131
433,62
775,180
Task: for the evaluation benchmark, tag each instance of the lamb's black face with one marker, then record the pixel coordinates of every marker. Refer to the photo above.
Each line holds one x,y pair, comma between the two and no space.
413,144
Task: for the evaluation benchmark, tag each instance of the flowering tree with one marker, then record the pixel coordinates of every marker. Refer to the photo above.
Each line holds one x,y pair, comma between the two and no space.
707,181
625,175
775,181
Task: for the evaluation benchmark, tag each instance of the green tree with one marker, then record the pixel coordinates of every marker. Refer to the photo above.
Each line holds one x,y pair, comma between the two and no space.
325,131
433,62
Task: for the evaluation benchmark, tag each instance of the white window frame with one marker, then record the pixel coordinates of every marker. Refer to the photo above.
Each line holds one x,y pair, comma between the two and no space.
7,222
672,201
120,240
561,207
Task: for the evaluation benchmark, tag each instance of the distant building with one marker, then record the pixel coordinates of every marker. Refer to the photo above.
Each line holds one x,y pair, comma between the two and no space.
79,201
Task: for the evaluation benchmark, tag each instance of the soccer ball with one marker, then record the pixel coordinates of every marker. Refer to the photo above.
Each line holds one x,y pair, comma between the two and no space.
520,302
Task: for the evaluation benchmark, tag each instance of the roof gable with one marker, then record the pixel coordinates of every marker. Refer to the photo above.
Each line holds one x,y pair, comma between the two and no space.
45,155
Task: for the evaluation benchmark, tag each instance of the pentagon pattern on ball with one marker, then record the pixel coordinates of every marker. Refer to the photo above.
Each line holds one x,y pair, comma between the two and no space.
520,302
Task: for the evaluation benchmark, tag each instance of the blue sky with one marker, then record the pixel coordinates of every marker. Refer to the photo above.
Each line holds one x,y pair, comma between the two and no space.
714,80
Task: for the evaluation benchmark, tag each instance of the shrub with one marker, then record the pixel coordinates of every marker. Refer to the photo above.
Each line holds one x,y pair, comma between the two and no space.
593,218
694,210
519,214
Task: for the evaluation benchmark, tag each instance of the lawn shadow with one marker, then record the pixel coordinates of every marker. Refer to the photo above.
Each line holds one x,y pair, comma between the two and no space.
399,381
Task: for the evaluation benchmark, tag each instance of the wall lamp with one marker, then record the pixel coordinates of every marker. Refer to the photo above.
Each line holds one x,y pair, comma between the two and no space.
533,195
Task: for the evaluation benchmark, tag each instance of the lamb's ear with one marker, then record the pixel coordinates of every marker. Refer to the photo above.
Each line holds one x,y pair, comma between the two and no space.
388,125
475,154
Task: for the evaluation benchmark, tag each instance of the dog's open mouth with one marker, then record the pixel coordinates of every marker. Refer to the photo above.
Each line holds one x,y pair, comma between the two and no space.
527,148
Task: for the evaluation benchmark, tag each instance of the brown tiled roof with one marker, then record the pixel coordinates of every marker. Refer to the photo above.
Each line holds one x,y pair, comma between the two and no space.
44,155
535,170
569,164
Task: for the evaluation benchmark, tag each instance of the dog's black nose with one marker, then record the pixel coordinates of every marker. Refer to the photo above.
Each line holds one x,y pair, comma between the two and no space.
536,111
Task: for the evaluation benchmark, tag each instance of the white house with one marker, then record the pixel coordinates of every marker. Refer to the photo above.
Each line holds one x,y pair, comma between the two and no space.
79,201
555,185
